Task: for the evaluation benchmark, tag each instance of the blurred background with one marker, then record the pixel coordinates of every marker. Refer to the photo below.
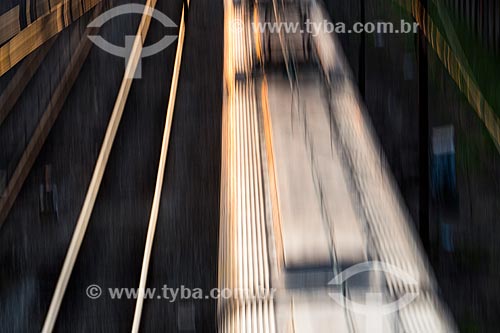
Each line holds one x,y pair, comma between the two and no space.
464,188
432,97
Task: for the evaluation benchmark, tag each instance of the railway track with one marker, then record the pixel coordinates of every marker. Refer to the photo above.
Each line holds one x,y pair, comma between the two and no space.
110,233
87,209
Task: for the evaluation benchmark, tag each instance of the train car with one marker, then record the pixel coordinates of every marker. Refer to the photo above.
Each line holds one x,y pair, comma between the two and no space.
314,235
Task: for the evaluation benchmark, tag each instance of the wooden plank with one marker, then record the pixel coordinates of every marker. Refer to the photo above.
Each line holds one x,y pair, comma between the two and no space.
28,12
76,8
36,34
88,4
29,39
54,3
41,7
9,24
21,79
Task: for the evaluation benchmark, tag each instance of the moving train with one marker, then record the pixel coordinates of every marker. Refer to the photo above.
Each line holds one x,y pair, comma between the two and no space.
314,234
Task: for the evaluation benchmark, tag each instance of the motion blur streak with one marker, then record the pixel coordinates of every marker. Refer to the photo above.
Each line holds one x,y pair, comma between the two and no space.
307,195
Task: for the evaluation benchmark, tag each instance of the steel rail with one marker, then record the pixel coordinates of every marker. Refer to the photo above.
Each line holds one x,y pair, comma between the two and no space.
153,219
93,190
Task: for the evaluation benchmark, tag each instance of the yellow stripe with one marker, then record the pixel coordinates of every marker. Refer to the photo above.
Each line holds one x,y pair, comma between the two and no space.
276,213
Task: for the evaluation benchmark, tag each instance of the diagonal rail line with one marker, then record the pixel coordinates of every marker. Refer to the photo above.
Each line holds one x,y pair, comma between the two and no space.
93,190
160,176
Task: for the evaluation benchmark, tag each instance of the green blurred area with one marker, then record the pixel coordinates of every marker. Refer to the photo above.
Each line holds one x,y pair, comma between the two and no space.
485,64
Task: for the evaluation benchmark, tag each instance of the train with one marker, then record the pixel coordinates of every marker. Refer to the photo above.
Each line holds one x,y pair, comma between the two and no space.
314,235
